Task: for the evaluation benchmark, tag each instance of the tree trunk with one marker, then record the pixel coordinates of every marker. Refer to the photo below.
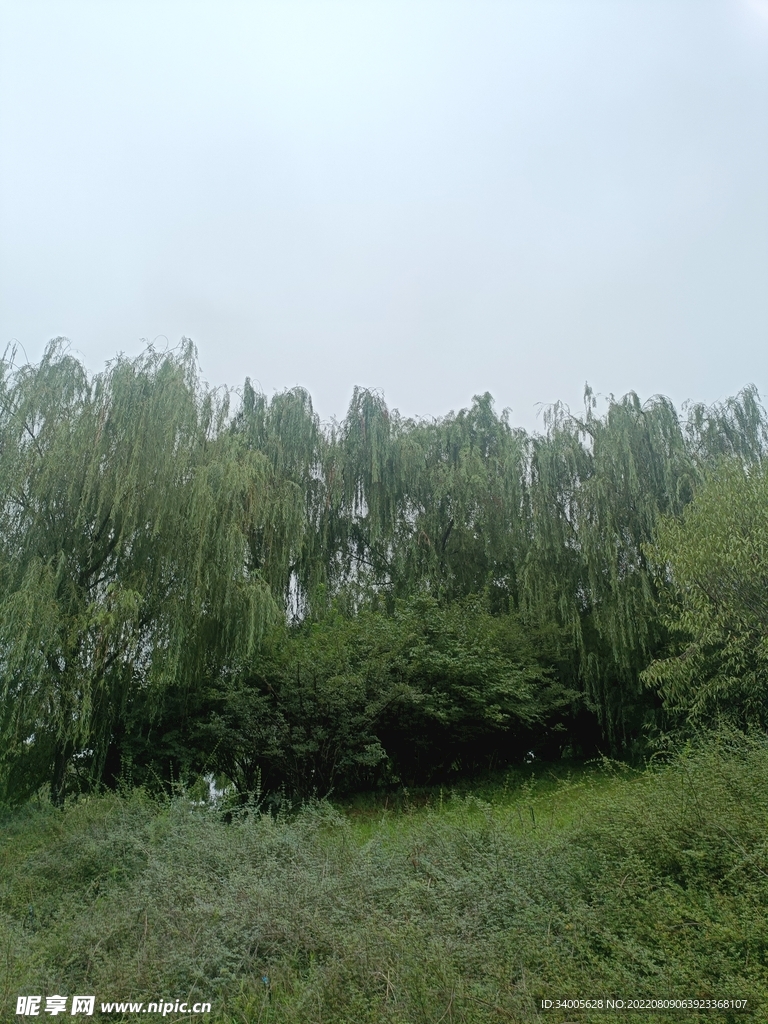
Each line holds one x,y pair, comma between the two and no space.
64,752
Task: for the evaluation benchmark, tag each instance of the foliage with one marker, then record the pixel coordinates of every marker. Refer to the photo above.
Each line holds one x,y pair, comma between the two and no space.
599,487
553,526
186,585
715,563
426,692
613,883
124,514
303,721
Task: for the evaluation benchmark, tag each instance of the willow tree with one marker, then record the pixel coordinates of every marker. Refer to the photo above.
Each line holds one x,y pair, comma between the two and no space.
343,484
554,525
287,544
126,507
410,506
464,523
736,429
598,487
363,475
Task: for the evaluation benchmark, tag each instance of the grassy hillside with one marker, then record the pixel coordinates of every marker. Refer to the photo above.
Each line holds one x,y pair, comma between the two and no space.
610,883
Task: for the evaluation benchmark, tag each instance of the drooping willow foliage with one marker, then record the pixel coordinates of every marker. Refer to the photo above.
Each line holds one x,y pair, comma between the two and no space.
126,506
152,538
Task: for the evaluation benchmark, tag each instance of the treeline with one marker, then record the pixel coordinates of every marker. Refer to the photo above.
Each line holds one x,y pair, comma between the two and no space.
191,584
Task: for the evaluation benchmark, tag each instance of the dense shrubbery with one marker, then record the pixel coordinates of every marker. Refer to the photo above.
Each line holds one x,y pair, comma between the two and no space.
187,589
426,692
615,883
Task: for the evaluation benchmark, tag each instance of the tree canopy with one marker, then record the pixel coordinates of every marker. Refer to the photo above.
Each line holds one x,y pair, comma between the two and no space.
125,568
171,555
714,560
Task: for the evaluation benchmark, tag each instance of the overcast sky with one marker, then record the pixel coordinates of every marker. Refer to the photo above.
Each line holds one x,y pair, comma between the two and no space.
434,199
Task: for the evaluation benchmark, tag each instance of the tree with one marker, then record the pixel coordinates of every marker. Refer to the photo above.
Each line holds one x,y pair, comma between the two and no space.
126,508
423,693
712,564
598,487
149,538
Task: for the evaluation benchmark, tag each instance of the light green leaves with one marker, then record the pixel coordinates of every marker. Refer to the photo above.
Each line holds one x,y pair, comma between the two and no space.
714,565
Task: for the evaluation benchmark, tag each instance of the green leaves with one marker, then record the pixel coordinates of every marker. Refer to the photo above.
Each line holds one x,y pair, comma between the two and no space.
419,694
452,583
713,563
125,512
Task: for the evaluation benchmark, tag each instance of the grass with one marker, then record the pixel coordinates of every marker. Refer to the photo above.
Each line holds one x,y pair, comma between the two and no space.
424,907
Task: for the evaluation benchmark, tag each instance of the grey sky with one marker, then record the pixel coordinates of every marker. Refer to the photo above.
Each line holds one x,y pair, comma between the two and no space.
436,199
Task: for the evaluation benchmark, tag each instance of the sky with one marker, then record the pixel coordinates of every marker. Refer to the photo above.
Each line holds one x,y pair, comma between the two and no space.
435,199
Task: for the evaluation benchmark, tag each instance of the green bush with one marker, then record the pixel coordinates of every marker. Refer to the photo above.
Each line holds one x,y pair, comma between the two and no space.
347,703
616,883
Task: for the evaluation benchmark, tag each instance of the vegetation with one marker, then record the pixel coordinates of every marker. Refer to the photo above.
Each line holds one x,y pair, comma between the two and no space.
202,590
716,601
610,883
353,703
118,496
189,589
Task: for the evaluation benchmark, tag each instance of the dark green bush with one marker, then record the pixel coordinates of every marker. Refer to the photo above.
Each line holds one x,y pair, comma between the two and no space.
347,703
